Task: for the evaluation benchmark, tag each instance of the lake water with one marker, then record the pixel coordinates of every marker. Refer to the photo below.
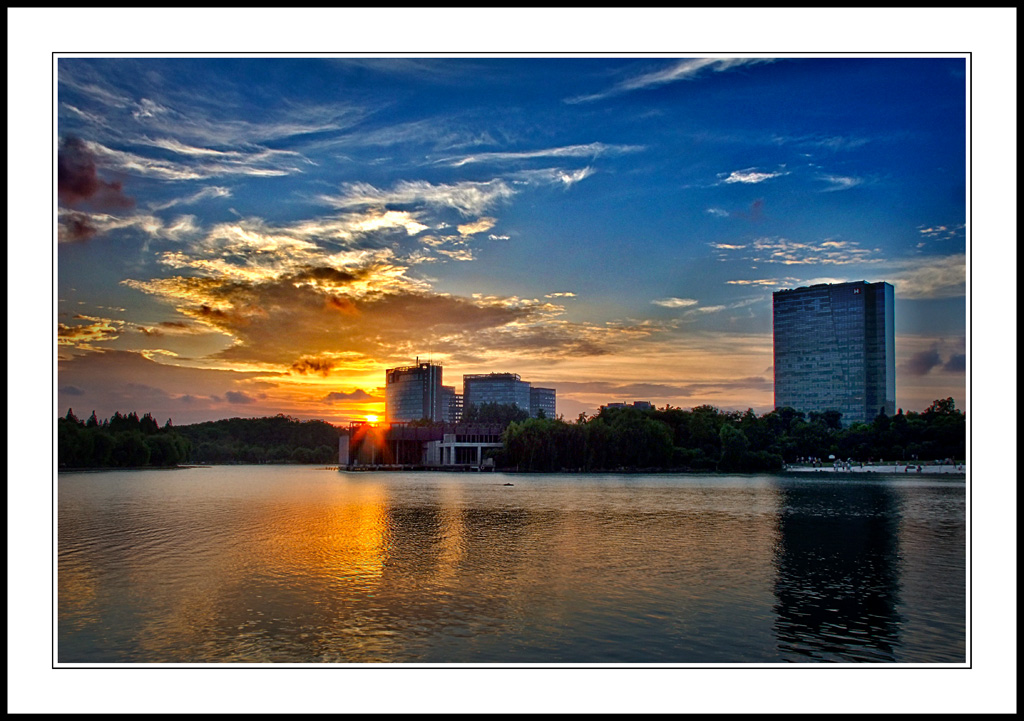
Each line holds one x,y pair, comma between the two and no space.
297,564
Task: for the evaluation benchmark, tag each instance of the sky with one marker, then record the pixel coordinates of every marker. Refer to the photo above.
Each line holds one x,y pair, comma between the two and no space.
248,236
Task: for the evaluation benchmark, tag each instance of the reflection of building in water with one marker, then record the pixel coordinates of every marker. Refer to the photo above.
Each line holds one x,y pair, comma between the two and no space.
838,573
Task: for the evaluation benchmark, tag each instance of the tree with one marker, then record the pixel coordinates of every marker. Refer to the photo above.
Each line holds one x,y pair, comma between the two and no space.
502,413
734,448
943,407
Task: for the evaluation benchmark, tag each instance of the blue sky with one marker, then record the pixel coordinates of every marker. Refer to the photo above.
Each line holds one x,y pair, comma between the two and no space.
249,236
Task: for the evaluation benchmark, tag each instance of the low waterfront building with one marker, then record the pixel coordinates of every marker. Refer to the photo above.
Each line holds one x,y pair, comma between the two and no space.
642,405
404,445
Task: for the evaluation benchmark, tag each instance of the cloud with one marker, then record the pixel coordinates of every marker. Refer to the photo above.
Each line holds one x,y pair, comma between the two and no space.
773,282
957,363
750,175
590,150
317,364
468,197
212,191
827,252
564,294
78,181
840,182
478,226
718,212
942,232
662,391
357,395
675,302
98,330
75,228
930,277
552,176
71,391
262,163
239,397
122,380
681,70
922,362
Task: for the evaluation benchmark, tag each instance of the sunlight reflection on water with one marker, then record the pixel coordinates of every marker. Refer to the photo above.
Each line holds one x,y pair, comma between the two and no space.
305,565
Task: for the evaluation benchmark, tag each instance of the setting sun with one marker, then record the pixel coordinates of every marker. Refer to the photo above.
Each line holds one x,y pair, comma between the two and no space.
372,419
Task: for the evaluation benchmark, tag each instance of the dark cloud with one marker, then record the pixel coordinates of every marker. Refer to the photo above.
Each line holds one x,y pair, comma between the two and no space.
322,366
75,228
238,397
922,362
357,395
957,363
78,182
71,391
325,274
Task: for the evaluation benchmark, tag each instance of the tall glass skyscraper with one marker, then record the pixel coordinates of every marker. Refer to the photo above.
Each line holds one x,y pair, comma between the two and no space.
835,349
412,393
504,388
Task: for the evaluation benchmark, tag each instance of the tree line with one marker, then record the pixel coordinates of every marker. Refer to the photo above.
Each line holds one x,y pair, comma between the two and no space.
122,441
128,441
708,439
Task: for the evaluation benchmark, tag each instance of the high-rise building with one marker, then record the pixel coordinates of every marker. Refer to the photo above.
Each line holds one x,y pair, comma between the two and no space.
413,393
504,388
451,404
835,349
542,399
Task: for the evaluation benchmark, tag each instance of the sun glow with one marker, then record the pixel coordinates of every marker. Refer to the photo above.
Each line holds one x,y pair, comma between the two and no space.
372,418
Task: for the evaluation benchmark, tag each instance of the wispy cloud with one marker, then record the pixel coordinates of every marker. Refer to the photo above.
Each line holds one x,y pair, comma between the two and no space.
76,226
266,164
590,150
767,282
840,182
675,302
212,191
468,197
681,70
750,175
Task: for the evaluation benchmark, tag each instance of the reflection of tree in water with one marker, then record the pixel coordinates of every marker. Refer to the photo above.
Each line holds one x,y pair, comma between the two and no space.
837,561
